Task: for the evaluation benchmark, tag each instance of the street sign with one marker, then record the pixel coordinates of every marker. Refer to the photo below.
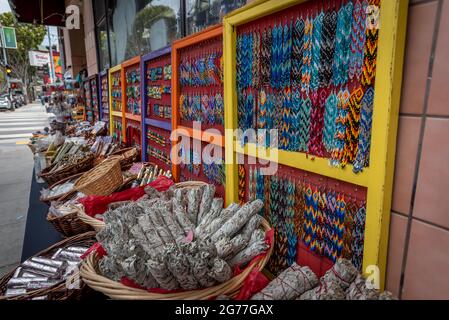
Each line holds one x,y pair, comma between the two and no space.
38,58
9,36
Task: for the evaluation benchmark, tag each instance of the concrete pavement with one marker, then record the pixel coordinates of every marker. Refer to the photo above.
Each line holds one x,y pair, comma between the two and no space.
16,169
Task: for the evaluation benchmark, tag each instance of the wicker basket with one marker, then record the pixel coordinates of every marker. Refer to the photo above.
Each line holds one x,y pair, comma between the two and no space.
101,180
53,177
126,156
115,290
48,200
58,291
69,224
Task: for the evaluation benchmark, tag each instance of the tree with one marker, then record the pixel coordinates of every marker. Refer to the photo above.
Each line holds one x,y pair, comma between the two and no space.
29,37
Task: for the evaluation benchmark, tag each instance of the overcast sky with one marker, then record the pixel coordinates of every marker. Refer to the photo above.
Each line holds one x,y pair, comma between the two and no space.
4,6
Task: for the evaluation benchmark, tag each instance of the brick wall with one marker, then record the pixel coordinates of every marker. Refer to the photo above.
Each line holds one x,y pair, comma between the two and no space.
419,234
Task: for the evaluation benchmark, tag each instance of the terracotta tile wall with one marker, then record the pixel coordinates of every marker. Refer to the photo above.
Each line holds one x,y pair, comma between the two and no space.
419,234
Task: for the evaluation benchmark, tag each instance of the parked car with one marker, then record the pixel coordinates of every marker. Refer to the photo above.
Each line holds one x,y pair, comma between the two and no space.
6,103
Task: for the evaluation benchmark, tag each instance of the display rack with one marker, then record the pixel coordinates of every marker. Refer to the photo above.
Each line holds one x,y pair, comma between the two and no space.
377,178
103,95
116,98
87,91
94,89
156,75
200,48
132,106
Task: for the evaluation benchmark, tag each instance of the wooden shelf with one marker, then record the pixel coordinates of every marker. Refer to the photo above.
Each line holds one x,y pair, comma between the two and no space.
133,117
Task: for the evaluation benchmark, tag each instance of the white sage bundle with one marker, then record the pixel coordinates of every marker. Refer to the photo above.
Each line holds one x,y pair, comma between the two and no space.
208,230
290,284
111,268
256,246
200,266
325,291
215,210
154,245
155,213
206,202
220,270
180,268
387,296
251,226
193,204
173,225
343,273
224,247
159,270
238,220
359,290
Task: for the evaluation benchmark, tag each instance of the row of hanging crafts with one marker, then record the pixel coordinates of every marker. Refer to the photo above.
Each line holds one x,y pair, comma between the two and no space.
327,220
312,79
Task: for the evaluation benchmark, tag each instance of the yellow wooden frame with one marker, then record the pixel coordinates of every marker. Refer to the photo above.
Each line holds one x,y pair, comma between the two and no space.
378,178
112,113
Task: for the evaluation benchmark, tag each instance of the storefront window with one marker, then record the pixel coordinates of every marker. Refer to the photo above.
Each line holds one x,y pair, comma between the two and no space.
102,36
204,13
141,26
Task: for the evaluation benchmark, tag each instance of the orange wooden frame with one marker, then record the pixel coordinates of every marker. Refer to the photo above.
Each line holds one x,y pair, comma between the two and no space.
193,39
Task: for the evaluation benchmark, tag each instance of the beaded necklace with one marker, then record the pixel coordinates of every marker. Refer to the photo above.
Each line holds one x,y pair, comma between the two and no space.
362,156
314,246
339,225
340,135
308,210
274,57
342,42
262,111
241,99
304,124
256,57
370,55
239,62
286,56
274,201
219,109
299,208
267,189
351,211
316,51
260,186
307,56
285,128
327,47
316,146
358,235
290,223
330,117
265,57
358,37
297,51
295,122
251,185
242,184
205,109
330,235
353,125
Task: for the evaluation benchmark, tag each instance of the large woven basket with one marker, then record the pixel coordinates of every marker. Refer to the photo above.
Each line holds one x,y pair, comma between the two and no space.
92,277
126,156
99,224
53,177
101,180
58,291
48,200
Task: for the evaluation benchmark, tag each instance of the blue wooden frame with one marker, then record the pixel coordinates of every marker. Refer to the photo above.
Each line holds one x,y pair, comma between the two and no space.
146,121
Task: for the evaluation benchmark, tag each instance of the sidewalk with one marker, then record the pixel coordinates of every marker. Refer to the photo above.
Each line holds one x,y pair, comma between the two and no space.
16,170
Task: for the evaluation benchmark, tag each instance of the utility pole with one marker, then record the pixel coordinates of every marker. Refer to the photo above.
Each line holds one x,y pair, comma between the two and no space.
52,67
4,53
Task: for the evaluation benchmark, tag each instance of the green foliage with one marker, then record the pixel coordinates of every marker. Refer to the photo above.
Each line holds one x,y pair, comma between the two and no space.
29,37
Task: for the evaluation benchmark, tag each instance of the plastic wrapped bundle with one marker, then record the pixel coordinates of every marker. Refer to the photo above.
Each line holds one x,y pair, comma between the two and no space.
159,270
238,220
342,273
256,246
358,290
290,284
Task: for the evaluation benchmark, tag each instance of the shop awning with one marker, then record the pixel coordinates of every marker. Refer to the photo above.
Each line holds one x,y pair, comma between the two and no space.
50,13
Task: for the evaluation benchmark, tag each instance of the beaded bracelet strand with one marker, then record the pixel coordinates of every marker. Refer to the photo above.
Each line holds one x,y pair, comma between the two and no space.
330,117
363,150
297,51
342,42
358,37
316,52
327,47
307,56
353,125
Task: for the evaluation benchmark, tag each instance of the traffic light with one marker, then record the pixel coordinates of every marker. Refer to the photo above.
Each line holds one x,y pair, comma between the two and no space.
8,70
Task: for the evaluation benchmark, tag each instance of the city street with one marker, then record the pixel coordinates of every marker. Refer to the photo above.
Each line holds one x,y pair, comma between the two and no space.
16,169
